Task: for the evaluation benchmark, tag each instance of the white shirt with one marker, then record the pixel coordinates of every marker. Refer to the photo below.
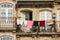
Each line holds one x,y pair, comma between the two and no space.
19,21
25,22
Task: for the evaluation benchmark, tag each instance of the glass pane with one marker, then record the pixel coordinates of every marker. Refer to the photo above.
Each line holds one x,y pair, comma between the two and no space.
3,5
6,5
10,38
3,38
58,15
3,13
10,13
6,38
49,15
0,38
42,16
45,15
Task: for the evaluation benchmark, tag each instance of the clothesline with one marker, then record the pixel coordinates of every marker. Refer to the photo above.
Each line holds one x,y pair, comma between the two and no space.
34,23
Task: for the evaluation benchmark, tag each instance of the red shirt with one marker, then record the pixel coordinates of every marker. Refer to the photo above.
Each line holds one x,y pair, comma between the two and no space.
41,23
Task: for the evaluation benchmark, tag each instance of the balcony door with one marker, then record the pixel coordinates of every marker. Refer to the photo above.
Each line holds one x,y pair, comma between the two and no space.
26,15
45,16
6,12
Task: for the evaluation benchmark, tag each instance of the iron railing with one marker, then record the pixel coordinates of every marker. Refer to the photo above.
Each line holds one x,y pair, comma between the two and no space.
7,22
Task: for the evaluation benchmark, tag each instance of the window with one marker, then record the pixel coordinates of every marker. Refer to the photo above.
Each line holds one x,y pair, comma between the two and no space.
5,5
26,15
6,12
45,15
6,38
58,18
42,16
58,15
3,13
10,13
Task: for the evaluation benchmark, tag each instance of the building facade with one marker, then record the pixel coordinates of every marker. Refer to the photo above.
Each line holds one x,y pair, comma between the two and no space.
35,10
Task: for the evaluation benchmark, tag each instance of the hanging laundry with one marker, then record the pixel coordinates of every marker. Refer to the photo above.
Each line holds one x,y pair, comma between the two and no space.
35,23
54,16
41,23
25,29
49,21
48,29
50,24
19,21
41,29
26,26
25,23
29,24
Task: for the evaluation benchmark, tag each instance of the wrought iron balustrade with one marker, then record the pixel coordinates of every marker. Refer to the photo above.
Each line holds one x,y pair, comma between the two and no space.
7,22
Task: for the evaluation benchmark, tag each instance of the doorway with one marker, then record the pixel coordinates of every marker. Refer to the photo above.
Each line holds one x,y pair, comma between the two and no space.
26,15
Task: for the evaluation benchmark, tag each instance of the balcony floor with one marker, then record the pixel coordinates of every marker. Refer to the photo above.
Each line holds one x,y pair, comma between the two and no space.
7,28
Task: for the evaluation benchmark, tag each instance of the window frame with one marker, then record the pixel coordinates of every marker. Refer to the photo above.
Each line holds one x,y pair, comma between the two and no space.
58,15
45,16
7,15
6,37
58,18
10,8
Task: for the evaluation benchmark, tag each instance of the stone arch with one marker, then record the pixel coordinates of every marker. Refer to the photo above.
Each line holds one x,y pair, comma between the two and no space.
46,10
26,10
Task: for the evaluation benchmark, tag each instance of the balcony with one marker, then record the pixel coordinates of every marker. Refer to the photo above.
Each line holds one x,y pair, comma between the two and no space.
47,30
7,23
